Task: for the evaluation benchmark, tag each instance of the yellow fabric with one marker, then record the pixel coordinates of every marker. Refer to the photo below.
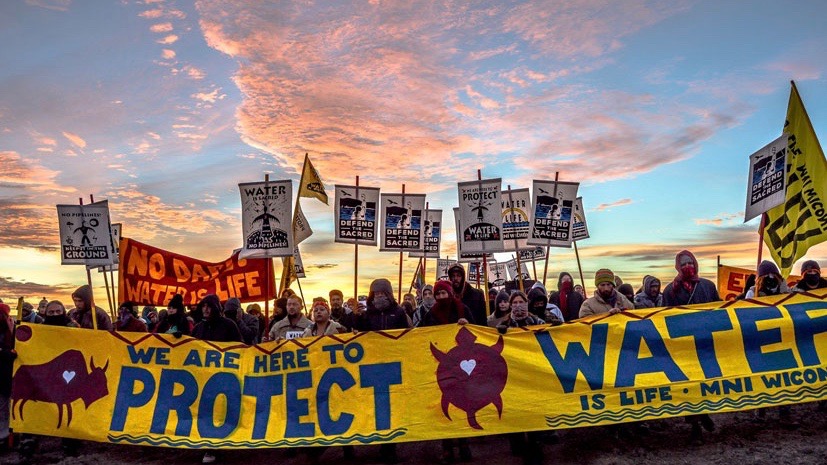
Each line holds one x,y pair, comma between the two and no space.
420,384
801,221
311,184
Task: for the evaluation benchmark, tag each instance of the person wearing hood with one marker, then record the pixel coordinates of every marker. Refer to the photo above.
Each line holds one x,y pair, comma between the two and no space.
82,297
382,313
294,324
216,328
768,281
448,309
688,288
606,299
502,309
428,302
810,277
175,320
539,306
128,320
566,298
323,324
7,356
247,324
649,295
28,315
627,290
474,299
520,314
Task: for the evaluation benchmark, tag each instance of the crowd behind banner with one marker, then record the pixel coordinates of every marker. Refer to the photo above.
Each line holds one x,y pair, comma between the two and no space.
215,375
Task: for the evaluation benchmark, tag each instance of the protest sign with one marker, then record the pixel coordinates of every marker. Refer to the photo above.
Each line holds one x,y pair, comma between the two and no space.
151,276
431,233
401,217
266,219
356,214
551,220
579,228
767,178
85,234
516,216
480,214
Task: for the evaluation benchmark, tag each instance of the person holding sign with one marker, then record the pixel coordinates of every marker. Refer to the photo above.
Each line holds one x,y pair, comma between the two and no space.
294,324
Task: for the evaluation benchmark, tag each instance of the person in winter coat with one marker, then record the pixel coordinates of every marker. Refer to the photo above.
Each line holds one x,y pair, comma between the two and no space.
82,297
502,309
128,320
649,295
294,324
810,277
247,324
767,282
606,299
175,320
448,309
566,298
383,313
323,324
688,288
538,305
474,299
428,301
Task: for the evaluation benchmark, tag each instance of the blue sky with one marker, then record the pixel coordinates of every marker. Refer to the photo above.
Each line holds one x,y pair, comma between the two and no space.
163,107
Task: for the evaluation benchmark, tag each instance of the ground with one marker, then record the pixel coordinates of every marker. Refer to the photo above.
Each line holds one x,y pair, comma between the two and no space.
739,439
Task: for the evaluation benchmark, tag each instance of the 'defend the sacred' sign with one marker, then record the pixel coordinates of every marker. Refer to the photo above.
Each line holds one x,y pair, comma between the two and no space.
551,220
356,213
420,384
402,222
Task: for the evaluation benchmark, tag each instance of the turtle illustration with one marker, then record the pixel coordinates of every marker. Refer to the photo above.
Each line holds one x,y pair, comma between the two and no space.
471,376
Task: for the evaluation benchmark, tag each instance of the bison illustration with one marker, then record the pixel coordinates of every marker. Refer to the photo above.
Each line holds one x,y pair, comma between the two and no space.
471,376
60,381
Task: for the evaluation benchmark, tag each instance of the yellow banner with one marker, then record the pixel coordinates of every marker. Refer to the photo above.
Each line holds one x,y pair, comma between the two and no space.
420,384
801,221
731,281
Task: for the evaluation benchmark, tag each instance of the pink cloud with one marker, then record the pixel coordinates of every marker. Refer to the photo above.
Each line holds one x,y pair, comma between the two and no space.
170,39
609,206
168,54
75,139
161,28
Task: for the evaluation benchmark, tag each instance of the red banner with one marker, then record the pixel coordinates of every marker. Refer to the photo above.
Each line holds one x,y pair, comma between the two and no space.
151,276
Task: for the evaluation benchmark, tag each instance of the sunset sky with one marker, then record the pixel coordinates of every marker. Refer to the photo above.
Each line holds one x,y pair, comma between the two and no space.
163,107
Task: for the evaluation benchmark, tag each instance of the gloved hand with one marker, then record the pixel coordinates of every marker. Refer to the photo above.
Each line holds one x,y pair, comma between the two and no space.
502,329
177,334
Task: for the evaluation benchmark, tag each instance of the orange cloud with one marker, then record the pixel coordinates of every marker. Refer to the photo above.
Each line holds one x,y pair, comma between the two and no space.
161,28
170,39
75,139
609,206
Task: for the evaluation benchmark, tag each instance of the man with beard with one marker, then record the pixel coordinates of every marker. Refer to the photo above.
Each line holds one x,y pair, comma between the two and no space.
337,309
128,320
649,296
688,288
472,298
82,297
606,299
294,324
383,313
810,277
565,298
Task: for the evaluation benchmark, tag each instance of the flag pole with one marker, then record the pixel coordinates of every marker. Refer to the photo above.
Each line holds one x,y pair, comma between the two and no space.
399,292
267,265
356,255
534,265
516,245
109,300
484,261
548,248
579,267
761,238
89,282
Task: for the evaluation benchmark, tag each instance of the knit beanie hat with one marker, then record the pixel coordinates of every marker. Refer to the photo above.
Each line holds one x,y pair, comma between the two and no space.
810,265
604,275
177,302
381,285
767,268
443,286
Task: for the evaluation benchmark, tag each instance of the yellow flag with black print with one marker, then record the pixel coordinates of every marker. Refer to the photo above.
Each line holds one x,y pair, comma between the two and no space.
801,221
311,184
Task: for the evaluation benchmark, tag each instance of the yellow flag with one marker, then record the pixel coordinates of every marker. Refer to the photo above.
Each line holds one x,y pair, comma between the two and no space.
19,309
311,184
801,221
288,273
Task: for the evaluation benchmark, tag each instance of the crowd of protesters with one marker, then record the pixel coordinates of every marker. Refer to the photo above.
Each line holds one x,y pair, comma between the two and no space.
451,301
